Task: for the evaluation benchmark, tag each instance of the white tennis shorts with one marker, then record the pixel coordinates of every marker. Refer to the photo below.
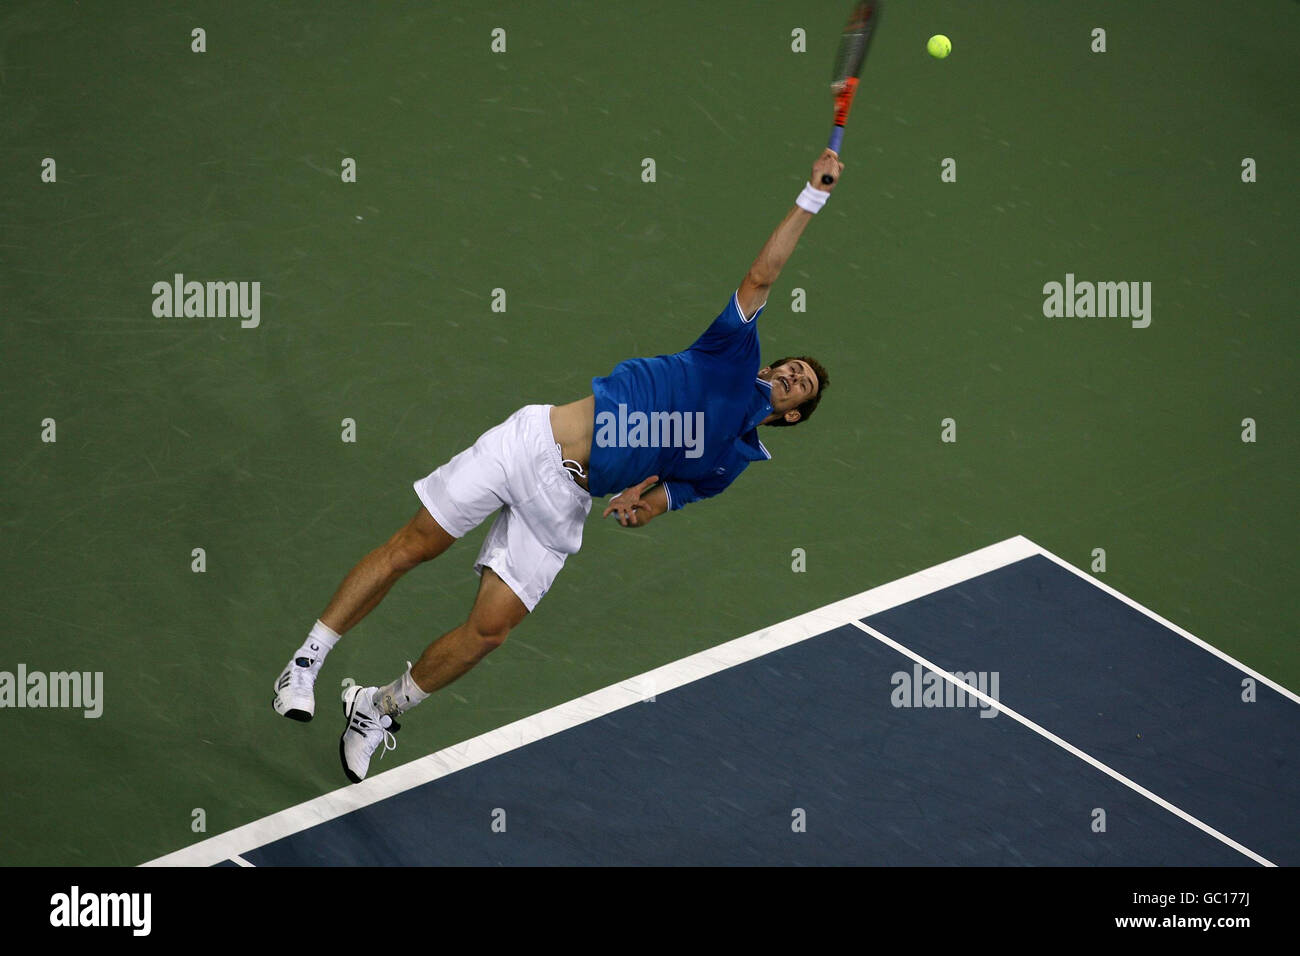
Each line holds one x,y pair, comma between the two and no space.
515,469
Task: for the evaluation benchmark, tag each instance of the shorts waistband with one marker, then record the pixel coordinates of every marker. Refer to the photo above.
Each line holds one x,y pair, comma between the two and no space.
555,456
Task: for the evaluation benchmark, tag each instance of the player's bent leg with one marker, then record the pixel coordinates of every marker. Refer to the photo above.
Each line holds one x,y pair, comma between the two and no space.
369,712
420,539
497,611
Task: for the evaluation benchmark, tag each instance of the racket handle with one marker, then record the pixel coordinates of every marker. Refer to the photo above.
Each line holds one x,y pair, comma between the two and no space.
837,137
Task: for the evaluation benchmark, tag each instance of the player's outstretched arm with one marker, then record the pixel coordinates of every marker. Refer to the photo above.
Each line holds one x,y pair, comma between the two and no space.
779,246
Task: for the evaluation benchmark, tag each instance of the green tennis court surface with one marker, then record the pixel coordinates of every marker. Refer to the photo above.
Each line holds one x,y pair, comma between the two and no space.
522,171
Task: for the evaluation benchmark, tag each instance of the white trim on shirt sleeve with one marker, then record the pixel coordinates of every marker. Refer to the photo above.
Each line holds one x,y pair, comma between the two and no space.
735,301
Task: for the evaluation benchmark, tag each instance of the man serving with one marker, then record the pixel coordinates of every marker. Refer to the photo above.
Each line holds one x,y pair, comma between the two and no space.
668,431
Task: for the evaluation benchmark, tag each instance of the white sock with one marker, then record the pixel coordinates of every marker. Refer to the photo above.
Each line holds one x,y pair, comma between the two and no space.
319,642
399,696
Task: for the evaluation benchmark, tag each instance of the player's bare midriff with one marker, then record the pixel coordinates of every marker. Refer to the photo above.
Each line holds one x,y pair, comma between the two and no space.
573,426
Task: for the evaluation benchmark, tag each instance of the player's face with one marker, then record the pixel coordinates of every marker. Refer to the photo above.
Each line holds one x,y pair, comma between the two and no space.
793,383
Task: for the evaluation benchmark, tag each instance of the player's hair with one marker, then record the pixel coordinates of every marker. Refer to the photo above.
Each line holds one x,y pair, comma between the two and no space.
823,381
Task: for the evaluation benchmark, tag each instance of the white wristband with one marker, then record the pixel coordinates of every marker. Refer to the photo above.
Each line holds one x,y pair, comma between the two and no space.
811,199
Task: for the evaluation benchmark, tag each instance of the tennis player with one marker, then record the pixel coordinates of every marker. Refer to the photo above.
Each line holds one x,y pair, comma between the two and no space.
667,431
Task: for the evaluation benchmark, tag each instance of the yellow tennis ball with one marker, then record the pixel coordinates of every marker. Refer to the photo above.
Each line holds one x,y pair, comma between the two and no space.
939,46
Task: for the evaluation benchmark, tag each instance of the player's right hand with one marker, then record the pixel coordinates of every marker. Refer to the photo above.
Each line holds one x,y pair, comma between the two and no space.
828,163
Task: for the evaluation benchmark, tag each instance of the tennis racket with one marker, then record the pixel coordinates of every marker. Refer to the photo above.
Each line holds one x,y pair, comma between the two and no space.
848,65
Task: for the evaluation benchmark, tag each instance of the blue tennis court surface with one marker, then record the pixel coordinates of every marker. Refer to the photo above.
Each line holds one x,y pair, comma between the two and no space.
840,749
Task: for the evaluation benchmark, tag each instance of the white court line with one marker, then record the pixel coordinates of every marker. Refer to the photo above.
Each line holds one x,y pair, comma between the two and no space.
973,691
240,861
1173,627
228,845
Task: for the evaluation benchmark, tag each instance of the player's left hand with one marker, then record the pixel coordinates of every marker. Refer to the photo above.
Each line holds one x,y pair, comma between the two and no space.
629,507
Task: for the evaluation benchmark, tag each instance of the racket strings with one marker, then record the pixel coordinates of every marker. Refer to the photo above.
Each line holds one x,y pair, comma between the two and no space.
853,44
849,59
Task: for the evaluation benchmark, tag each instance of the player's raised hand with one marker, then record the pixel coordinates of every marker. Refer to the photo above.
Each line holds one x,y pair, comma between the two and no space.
828,164
629,507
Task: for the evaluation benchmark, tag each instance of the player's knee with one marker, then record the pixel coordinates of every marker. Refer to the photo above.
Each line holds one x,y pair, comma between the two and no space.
490,629
410,547
404,554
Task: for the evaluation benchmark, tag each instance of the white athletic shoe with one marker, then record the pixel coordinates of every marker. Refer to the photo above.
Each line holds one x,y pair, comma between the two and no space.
367,728
294,695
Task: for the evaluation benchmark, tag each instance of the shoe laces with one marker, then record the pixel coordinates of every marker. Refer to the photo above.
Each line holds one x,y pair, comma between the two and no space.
302,677
390,742
368,725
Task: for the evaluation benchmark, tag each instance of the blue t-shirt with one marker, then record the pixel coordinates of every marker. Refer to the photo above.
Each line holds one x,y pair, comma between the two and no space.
691,418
